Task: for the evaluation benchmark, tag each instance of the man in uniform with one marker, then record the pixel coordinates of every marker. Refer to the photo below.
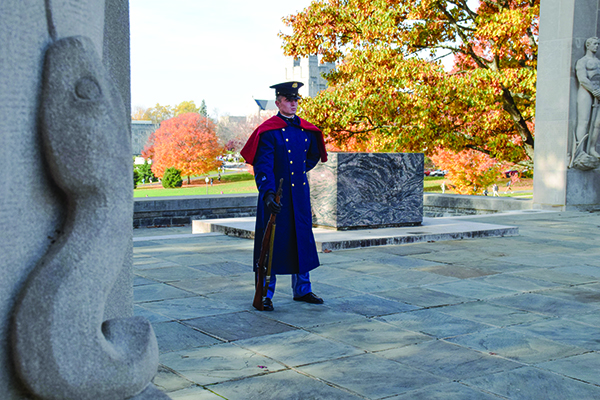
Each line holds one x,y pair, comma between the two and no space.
286,146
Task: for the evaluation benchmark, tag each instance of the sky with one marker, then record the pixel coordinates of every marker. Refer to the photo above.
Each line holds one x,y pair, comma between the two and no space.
225,52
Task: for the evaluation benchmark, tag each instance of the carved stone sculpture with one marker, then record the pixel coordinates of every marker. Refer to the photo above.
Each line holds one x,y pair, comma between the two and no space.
62,347
584,155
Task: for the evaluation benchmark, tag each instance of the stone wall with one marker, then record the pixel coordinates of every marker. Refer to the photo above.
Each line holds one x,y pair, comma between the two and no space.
172,211
453,205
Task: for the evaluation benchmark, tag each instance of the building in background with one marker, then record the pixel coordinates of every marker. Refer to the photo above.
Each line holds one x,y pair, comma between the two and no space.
140,132
306,70
310,72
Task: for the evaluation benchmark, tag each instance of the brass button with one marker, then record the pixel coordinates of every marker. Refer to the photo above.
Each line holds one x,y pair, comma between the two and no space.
291,162
286,140
304,183
292,184
283,130
289,151
292,173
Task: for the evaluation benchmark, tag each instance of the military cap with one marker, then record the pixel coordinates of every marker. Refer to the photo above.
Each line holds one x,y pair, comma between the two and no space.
288,89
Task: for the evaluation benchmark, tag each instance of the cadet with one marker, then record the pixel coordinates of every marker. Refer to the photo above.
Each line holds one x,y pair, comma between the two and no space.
286,146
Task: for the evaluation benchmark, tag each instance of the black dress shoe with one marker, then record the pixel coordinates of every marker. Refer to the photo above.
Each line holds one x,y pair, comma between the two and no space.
268,305
310,298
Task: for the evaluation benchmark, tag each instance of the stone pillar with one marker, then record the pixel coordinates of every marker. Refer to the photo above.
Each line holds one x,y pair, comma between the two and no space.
564,27
66,206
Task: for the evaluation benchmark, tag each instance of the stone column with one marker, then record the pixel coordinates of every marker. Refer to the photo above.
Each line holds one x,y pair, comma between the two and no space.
66,301
565,25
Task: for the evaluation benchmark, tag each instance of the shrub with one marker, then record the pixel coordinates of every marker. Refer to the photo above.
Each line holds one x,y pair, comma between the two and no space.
171,178
136,178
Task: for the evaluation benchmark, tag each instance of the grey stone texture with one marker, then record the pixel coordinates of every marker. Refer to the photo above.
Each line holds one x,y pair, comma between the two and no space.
564,27
66,298
488,318
366,190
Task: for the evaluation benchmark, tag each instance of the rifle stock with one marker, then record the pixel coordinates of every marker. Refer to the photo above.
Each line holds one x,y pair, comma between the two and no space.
266,253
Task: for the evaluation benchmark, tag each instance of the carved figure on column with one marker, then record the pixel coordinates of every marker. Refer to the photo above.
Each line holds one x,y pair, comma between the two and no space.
584,155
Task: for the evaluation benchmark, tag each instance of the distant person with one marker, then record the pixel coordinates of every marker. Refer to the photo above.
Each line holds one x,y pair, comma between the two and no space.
495,190
485,192
219,178
211,181
443,187
508,187
286,146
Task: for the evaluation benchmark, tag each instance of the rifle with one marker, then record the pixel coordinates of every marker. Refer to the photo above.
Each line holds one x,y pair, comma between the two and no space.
263,266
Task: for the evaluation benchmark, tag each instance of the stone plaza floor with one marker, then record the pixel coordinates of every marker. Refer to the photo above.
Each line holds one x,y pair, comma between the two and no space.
492,318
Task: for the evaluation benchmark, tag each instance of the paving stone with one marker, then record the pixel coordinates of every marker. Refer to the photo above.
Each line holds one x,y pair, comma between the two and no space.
212,284
371,376
516,346
218,363
365,283
449,360
140,281
563,331
472,289
435,323
458,271
327,291
582,294
584,270
158,291
592,318
544,304
583,367
298,348
371,335
552,275
413,277
187,308
369,306
491,314
169,381
225,268
288,385
152,317
304,315
194,393
170,274
422,297
239,325
446,391
516,283
151,264
173,336
530,383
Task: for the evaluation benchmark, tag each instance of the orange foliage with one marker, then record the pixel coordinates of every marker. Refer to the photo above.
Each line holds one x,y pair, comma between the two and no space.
186,142
468,170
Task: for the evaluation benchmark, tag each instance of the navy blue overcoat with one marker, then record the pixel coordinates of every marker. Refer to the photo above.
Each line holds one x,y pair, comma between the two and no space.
287,153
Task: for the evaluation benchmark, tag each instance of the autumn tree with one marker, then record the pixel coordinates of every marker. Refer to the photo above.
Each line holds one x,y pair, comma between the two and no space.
390,91
235,131
159,113
187,143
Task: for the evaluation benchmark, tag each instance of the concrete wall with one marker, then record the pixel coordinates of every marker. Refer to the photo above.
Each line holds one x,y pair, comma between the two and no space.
565,25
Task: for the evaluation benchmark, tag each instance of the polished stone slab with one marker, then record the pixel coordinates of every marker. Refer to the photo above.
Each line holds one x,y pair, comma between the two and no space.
365,190
194,393
187,308
371,376
473,289
432,230
169,381
563,331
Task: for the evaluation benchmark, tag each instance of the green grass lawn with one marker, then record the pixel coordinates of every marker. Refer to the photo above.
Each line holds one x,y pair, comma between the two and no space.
231,183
